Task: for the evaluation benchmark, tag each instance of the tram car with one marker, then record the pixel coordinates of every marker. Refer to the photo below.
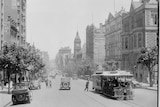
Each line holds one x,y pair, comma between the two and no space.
116,84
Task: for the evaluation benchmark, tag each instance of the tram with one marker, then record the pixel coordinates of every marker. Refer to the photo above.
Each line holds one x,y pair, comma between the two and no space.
116,84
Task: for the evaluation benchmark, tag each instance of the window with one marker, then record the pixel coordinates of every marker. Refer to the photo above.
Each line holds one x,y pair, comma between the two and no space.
1,27
132,22
140,42
1,44
126,43
21,28
18,11
122,43
135,41
154,18
21,17
131,42
1,4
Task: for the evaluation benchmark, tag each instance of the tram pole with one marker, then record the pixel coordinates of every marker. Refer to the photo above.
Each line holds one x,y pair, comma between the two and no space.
158,53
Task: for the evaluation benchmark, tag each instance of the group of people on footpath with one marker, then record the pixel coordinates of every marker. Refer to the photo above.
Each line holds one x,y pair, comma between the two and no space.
48,83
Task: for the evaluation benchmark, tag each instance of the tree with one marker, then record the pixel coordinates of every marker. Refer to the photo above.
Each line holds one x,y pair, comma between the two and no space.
86,67
16,59
148,58
33,59
110,65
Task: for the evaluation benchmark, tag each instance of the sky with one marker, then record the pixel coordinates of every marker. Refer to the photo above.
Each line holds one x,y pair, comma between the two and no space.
52,24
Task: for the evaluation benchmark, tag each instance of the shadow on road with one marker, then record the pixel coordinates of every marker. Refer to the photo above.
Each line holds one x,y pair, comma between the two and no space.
102,95
20,103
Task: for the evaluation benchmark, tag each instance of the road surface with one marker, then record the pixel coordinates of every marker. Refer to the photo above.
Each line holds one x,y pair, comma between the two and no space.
77,97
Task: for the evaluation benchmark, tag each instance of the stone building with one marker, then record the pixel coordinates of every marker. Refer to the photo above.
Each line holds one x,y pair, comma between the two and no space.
12,23
77,47
1,23
89,42
99,45
139,29
84,51
14,11
113,41
63,57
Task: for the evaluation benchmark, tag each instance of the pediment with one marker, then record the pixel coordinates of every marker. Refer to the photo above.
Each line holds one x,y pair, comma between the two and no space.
110,16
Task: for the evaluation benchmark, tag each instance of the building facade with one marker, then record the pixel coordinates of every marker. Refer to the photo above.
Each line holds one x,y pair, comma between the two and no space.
14,13
12,23
77,46
113,42
84,51
139,29
63,57
89,42
1,23
99,45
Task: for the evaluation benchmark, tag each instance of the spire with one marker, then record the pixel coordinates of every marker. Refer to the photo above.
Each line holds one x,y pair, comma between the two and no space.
77,33
77,37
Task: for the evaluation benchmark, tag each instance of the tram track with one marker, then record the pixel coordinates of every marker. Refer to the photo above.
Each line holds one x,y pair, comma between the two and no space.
132,104
78,86
93,98
126,102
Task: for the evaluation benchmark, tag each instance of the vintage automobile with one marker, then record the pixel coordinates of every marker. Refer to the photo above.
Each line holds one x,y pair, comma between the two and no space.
74,77
35,85
135,84
21,93
65,83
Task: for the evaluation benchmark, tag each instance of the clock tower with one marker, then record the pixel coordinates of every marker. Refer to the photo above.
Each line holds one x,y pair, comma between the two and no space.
77,45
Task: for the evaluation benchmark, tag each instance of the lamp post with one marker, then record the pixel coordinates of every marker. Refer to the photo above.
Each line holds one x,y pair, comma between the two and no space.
158,35
158,51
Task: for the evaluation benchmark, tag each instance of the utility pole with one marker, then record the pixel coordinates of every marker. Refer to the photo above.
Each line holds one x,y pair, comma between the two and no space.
158,52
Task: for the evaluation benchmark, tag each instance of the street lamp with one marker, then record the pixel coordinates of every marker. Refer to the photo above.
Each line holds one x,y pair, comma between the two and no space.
158,49
158,36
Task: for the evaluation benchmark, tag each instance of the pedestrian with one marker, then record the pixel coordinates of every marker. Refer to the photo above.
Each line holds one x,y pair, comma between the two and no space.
50,83
46,83
2,84
87,84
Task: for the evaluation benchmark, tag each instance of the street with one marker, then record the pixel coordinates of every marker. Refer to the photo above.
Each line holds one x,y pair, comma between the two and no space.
77,97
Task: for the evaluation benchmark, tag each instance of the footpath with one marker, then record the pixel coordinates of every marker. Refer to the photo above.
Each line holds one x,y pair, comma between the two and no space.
146,86
5,98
